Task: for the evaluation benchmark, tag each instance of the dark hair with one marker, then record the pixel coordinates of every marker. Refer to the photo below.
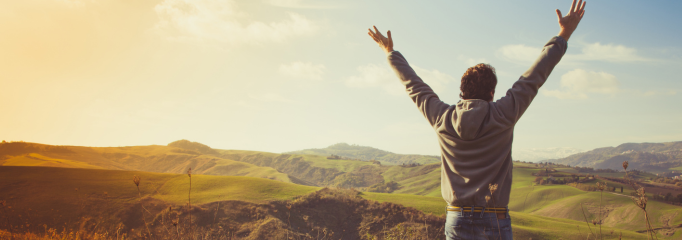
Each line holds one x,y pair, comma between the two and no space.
478,82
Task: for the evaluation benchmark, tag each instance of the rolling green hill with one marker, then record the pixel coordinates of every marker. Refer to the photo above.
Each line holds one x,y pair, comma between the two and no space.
368,153
418,185
154,158
60,197
78,197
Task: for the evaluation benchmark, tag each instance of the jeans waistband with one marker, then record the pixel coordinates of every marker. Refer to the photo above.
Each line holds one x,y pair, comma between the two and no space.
478,209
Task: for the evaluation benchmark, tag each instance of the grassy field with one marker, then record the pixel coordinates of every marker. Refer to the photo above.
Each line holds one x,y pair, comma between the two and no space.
527,226
426,185
64,183
153,158
220,188
37,160
339,164
76,192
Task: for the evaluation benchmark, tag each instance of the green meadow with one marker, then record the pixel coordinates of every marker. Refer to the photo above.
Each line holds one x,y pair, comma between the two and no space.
78,183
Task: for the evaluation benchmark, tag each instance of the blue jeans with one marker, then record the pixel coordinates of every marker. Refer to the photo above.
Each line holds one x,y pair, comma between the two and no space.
468,225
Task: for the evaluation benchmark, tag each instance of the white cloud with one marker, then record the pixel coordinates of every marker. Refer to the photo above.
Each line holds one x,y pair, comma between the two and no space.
650,93
584,81
577,83
564,94
519,53
589,52
434,78
220,21
297,4
372,75
609,53
470,62
303,70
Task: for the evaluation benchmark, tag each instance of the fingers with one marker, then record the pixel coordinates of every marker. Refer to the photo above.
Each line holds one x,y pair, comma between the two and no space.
577,7
558,14
582,9
572,8
374,38
377,30
371,34
374,35
390,40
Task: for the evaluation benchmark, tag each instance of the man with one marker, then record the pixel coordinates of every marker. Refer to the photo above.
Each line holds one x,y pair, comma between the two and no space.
475,135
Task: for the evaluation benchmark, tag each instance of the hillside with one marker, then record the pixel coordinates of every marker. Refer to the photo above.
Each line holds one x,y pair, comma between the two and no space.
180,156
105,201
651,157
368,153
154,158
419,186
316,170
100,201
412,185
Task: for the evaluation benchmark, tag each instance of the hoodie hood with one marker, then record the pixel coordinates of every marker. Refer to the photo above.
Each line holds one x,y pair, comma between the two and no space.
470,116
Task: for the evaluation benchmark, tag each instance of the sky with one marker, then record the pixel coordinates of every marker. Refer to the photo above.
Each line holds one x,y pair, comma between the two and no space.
285,75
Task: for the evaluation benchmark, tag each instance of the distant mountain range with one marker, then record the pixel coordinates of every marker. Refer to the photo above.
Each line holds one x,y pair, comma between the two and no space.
369,153
650,157
540,154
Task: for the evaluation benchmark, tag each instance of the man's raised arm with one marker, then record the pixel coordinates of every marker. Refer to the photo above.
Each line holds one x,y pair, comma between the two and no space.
519,97
421,94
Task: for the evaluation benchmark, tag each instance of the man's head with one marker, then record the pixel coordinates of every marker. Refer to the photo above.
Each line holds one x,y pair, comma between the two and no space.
479,82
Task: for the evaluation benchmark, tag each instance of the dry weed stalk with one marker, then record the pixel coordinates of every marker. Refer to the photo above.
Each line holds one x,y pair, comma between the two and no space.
175,224
136,180
524,201
601,187
588,224
189,202
641,201
579,232
4,213
215,215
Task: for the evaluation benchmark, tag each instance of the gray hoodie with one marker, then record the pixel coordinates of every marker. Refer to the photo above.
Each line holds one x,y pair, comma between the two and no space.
475,136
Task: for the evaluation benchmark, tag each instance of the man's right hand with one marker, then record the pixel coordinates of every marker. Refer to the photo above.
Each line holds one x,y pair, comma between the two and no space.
570,22
386,44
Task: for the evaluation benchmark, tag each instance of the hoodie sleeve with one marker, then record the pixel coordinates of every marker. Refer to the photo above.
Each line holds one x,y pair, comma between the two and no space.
421,94
519,97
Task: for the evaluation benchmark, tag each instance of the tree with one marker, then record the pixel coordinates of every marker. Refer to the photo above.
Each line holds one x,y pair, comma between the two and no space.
668,196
